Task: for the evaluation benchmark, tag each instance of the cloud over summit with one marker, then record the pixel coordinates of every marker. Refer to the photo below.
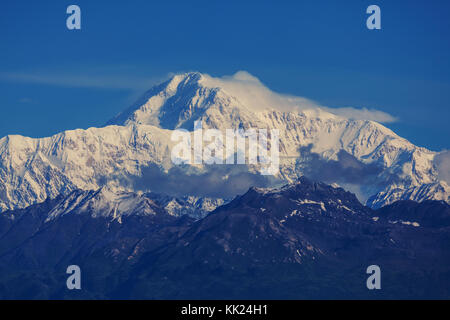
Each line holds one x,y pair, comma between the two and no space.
254,94
442,164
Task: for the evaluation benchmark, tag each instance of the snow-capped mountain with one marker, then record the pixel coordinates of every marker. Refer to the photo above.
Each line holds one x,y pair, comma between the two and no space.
106,203
432,191
115,204
32,170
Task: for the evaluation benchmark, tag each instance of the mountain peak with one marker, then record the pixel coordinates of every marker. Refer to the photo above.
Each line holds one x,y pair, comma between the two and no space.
176,103
303,192
183,79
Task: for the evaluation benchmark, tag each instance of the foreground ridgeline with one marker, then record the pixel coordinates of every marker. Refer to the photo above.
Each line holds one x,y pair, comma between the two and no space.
303,240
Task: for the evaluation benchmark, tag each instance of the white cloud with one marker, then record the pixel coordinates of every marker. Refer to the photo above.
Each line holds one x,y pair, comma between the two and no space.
80,80
442,163
254,94
362,114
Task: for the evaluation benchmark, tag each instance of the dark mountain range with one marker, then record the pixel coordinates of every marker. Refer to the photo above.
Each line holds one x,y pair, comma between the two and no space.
304,240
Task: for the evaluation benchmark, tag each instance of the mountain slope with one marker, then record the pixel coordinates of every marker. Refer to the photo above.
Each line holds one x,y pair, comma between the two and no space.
306,240
33,169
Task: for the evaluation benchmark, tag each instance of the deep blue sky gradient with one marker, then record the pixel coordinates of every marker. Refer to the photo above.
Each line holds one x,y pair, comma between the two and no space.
52,79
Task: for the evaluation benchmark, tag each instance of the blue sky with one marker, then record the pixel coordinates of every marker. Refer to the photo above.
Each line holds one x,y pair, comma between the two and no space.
52,79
